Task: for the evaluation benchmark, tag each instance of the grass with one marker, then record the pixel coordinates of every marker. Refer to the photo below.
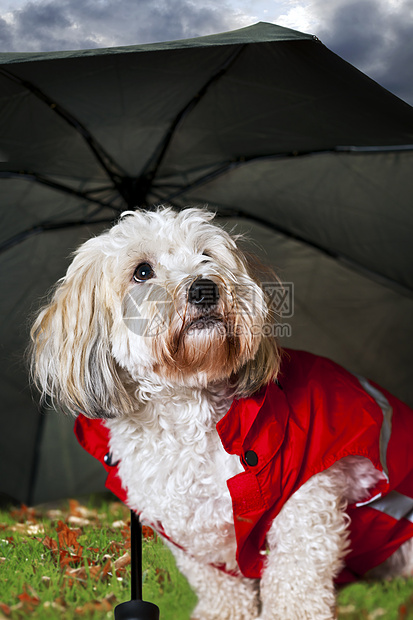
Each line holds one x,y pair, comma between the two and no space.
389,600
74,562
71,563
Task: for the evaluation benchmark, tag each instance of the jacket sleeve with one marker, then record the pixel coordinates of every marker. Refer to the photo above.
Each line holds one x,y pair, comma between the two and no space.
93,436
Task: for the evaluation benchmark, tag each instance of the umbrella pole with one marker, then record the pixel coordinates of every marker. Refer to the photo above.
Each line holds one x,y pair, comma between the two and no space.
136,608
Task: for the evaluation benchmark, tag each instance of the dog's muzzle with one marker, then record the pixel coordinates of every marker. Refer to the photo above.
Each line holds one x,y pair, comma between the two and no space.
203,293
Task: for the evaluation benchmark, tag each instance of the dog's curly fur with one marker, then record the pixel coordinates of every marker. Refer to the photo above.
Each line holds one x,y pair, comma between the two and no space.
121,340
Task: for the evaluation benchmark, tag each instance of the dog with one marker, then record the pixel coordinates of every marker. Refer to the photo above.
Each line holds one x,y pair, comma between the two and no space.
272,475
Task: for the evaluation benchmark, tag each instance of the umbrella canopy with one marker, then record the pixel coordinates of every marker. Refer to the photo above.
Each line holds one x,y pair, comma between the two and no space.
264,125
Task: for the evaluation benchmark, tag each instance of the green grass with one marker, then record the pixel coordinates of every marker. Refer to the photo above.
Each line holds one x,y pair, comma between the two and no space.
79,575
39,582
389,600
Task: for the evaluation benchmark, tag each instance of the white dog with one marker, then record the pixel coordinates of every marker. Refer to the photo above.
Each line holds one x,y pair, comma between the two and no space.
249,461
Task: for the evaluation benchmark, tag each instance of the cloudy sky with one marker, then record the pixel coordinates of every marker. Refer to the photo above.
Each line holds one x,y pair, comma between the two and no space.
374,35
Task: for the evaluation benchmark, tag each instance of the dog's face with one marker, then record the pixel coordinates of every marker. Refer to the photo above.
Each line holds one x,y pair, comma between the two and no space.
165,297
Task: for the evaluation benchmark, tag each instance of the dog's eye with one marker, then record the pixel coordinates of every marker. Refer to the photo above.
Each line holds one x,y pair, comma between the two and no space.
143,272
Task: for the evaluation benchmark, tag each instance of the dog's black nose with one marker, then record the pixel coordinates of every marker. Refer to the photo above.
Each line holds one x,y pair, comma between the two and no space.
203,292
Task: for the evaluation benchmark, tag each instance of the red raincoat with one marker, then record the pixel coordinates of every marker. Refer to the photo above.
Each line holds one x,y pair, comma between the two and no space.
286,433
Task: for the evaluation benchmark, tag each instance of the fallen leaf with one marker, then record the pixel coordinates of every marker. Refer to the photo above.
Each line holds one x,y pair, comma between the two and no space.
162,575
126,533
71,552
60,601
92,606
123,561
147,532
54,605
73,505
377,613
28,528
115,546
106,571
53,515
28,598
346,609
73,575
402,612
79,521
406,609
49,543
24,513
95,572
66,558
111,598
77,510
67,536
67,551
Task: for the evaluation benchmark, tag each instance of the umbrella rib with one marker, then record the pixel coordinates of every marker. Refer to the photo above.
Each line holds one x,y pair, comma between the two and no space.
228,213
225,167
49,226
38,178
224,211
158,157
112,169
374,275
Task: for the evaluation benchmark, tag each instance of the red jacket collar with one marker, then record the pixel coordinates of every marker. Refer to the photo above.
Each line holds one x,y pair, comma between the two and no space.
242,426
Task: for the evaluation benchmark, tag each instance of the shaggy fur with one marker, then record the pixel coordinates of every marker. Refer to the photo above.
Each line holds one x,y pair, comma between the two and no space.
122,340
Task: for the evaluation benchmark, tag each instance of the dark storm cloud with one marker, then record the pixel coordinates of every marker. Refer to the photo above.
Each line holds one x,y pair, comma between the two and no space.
396,69
6,36
78,24
376,37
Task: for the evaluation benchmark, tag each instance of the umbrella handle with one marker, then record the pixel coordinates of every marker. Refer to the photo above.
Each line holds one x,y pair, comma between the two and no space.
136,609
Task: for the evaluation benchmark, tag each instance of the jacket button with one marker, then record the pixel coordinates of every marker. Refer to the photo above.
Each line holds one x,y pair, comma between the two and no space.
251,458
108,460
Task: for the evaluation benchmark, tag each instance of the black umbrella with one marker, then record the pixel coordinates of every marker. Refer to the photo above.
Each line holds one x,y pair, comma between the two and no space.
264,125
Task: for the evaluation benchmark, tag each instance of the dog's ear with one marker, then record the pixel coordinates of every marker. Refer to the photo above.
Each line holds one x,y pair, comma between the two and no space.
71,356
264,366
